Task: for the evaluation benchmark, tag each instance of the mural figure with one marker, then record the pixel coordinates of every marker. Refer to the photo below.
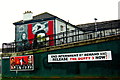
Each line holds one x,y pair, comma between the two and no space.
12,63
22,63
40,30
36,31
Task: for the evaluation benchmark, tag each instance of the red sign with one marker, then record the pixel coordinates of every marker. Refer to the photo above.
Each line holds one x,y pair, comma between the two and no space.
21,63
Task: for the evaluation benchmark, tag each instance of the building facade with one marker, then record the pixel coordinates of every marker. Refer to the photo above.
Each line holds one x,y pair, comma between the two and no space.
110,27
44,30
48,47
42,27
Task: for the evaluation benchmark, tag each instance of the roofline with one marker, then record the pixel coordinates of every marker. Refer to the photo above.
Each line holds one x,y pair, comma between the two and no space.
44,13
68,23
32,21
25,22
98,22
38,20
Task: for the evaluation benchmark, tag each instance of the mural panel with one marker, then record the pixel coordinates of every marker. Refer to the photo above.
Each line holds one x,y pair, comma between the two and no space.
36,31
22,63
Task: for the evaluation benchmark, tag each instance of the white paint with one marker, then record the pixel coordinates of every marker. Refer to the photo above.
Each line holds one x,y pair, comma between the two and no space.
58,24
59,38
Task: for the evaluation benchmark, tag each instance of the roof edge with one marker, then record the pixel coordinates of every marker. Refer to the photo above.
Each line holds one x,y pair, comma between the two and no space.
98,22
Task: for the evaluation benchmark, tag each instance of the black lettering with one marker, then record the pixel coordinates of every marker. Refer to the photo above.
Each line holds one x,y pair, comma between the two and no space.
60,59
53,56
100,57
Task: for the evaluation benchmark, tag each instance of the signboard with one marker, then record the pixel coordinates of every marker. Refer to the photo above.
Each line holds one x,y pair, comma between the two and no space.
22,63
86,56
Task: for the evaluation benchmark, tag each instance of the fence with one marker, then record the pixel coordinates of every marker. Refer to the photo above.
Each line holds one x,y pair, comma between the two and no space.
56,39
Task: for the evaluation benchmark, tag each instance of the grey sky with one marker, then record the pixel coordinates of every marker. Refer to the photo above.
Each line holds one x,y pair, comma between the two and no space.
76,11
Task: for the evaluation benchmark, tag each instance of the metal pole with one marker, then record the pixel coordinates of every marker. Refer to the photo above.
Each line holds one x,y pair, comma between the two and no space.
95,24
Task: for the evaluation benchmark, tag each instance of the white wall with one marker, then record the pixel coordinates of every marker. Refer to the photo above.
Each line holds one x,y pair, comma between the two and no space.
69,34
59,23
57,26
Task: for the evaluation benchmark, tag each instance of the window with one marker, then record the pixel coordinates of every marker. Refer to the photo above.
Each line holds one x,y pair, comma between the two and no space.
99,35
61,28
68,29
89,36
112,33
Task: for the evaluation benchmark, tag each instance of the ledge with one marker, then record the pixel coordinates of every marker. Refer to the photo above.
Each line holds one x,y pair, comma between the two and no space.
64,46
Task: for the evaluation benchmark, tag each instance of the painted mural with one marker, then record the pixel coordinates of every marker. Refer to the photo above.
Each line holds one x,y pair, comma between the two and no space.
22,63
36,31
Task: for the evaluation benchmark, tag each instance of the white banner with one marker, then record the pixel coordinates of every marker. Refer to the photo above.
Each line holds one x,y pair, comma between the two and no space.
86,56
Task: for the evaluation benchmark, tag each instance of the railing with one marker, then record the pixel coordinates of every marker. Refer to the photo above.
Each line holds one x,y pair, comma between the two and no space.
56,39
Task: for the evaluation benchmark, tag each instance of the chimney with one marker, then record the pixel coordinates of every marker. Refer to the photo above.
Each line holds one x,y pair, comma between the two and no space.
27,15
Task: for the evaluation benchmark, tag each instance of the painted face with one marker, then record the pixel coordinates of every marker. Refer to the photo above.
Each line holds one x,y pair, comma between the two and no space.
23,36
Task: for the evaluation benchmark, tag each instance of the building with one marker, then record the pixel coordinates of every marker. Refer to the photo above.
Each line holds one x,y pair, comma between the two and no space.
45,29
48,47
40,26
108,26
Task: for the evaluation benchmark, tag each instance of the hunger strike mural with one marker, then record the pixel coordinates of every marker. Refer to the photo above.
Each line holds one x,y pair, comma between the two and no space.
35,30
22,63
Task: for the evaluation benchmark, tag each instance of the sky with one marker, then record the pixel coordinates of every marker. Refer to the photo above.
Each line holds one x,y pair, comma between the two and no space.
76,11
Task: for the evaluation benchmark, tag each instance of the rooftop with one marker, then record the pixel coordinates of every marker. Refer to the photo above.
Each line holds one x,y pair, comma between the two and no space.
84,27
100,25
41,16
